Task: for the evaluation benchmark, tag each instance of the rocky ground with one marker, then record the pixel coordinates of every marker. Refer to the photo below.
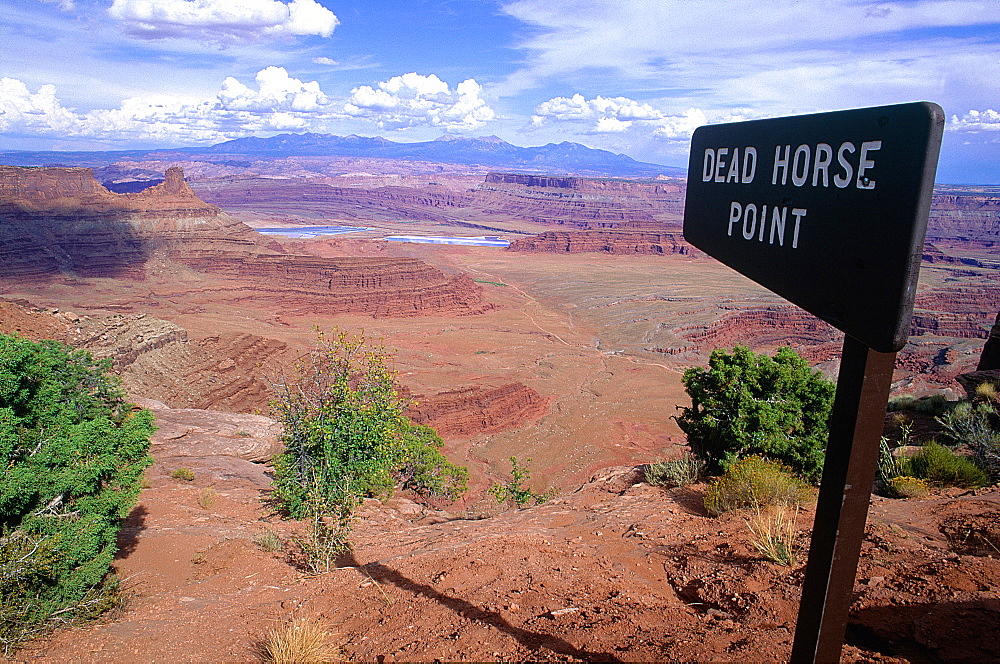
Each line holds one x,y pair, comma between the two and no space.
615,570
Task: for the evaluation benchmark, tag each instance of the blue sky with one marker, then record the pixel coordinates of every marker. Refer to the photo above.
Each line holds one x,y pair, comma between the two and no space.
632,76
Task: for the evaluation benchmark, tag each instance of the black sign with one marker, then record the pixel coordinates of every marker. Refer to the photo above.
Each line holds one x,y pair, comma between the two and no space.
827,210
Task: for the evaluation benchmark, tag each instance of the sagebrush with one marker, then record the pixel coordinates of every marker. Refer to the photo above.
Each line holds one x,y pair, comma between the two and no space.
758,483
677,472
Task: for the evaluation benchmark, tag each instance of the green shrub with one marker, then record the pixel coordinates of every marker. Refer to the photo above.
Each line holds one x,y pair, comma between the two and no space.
516,490
74,453
941,467
747,404
679,472
909,487
757,483
975,426
345,437
425,470
935,404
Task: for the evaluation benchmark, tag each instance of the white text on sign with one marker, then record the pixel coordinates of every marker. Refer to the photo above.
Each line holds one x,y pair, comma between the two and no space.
807,165
815,165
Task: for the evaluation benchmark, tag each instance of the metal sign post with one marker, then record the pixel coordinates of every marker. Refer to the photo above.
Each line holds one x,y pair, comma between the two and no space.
830,212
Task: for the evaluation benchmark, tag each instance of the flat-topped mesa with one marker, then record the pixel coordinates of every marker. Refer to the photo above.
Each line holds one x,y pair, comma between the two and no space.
583,203
59,191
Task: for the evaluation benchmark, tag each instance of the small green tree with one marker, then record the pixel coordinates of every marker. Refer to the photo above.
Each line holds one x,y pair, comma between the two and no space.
746,404
73,452
516,490
346,438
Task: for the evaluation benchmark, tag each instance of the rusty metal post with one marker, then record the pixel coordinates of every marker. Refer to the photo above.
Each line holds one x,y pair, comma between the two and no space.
841,511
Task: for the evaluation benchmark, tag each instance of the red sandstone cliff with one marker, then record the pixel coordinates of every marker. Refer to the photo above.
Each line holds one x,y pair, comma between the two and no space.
60,221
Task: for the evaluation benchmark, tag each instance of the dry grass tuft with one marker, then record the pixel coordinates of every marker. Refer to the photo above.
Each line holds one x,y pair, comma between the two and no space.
206,498
987,391
773,534
301,641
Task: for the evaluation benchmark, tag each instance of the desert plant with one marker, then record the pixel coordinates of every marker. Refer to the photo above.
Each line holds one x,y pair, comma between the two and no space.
909,487
268,540
935,404
182,473
516,489
888,468
756,483
300,641
678,472
975,426
939,466
773,533
206,498
346,437
747,404
73,452
425,470
987,391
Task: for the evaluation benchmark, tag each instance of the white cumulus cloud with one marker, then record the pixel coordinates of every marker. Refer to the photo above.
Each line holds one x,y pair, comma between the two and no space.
279,103
414,100
20,110
621,115
223,20
988,120
277,91
602,114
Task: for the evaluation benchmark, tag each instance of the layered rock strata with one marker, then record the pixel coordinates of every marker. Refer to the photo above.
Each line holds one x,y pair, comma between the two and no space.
60,222
478,409
606,241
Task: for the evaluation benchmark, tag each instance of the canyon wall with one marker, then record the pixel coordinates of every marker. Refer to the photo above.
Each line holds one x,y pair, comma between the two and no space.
59,222
232,372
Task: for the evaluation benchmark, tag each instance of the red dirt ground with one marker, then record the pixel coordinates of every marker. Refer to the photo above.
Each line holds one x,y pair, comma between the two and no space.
615,570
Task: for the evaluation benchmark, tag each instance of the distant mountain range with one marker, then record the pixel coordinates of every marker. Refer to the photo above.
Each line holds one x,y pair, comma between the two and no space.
488,151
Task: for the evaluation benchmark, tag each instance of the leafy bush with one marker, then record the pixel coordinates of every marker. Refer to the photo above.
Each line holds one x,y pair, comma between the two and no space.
346,437
679,472
941,467
757,483
516,491
74,453
976,426
747,404
425,470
